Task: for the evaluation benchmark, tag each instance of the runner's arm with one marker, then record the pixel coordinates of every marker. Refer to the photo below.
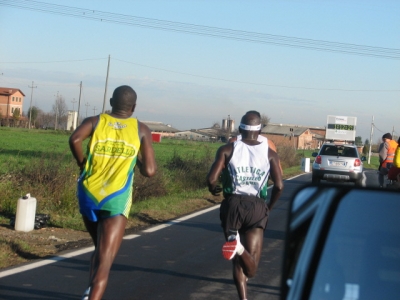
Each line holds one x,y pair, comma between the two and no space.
147,162
78,136
276,176
216,169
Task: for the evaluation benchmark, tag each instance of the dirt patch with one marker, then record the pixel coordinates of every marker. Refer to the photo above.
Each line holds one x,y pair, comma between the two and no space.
20,247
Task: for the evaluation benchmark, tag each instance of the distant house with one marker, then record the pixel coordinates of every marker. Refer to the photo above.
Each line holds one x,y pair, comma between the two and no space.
299,137
10,100
196,135
161,128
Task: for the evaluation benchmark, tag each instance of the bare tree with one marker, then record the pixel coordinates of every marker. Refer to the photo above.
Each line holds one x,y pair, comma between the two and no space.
264,120
60,110
45,120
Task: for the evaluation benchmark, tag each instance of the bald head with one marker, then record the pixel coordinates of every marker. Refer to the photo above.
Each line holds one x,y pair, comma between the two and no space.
251,118
123,99
250,125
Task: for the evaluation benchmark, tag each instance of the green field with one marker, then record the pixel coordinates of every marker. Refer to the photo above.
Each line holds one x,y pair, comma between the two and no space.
39,162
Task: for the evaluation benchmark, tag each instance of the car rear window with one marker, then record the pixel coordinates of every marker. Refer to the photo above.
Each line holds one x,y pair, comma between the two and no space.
361,257
339,151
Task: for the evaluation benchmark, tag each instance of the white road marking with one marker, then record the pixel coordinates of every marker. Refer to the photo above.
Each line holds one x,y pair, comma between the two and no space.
45,262
131,236
54,259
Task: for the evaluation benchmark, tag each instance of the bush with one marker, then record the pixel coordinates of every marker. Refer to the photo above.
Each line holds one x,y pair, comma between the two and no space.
189,172
365,150
144,187
288,156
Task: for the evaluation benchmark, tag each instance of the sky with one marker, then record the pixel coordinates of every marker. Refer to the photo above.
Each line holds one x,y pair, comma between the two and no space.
194,63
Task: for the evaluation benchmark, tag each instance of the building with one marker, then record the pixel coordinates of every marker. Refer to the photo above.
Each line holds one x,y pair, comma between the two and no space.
72,120
161,128
196,135
228,124
298,137
10,100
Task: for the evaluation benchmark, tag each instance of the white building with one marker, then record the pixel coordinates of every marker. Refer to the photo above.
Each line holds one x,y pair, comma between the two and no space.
72,120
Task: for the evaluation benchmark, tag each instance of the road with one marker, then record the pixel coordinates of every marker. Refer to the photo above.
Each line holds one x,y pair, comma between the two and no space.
178,260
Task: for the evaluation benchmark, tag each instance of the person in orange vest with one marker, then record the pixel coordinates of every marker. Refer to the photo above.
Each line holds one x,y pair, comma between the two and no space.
386,155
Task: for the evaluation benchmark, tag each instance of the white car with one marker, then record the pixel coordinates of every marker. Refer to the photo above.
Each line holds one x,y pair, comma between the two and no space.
336,162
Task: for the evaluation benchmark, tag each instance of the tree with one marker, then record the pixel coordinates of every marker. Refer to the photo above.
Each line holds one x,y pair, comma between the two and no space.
32,114
264,120
45,120
358,140
60,110
16,114
218,131
365,150
366,147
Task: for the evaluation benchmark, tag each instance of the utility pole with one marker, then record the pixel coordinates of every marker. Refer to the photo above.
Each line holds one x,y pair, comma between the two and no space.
73,102
79,102
55,125
30,106
105,91
370,140
94,110
87,104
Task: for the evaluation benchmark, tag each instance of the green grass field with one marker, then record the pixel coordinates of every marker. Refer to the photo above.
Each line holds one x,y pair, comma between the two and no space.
39,162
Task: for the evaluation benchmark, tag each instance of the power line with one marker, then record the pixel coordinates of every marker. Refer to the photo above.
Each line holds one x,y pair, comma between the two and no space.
377,128
215,32
51,61
215,78
254,83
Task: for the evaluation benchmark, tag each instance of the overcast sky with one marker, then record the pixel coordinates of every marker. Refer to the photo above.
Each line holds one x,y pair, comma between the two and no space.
193,63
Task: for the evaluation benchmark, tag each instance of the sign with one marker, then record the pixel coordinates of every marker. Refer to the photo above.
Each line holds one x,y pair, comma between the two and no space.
341,128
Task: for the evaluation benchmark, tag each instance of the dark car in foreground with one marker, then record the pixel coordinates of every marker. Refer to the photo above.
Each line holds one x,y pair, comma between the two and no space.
338,162
342,243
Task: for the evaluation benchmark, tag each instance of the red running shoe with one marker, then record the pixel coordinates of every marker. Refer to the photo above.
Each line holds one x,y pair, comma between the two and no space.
232,247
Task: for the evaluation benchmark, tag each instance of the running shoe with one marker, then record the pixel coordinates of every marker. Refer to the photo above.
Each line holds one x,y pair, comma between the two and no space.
85,295
232,247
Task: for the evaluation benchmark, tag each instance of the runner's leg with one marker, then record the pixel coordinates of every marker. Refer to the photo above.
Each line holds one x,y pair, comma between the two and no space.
245,266
91,227
110,234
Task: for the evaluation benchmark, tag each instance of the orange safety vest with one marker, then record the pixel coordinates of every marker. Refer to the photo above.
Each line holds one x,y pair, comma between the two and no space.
390,153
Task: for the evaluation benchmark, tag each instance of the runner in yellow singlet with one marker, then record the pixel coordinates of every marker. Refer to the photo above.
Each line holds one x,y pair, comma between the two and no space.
105,184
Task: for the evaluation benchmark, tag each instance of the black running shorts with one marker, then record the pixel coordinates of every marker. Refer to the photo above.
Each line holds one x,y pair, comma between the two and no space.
242,213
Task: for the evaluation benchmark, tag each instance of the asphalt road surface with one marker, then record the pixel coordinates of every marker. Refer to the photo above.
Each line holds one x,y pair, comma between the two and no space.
178,260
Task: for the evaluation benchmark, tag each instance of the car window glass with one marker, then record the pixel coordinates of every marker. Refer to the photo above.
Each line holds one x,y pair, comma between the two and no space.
330,150
361,256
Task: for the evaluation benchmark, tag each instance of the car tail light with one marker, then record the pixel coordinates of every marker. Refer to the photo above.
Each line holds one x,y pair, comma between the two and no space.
357,162
318,159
